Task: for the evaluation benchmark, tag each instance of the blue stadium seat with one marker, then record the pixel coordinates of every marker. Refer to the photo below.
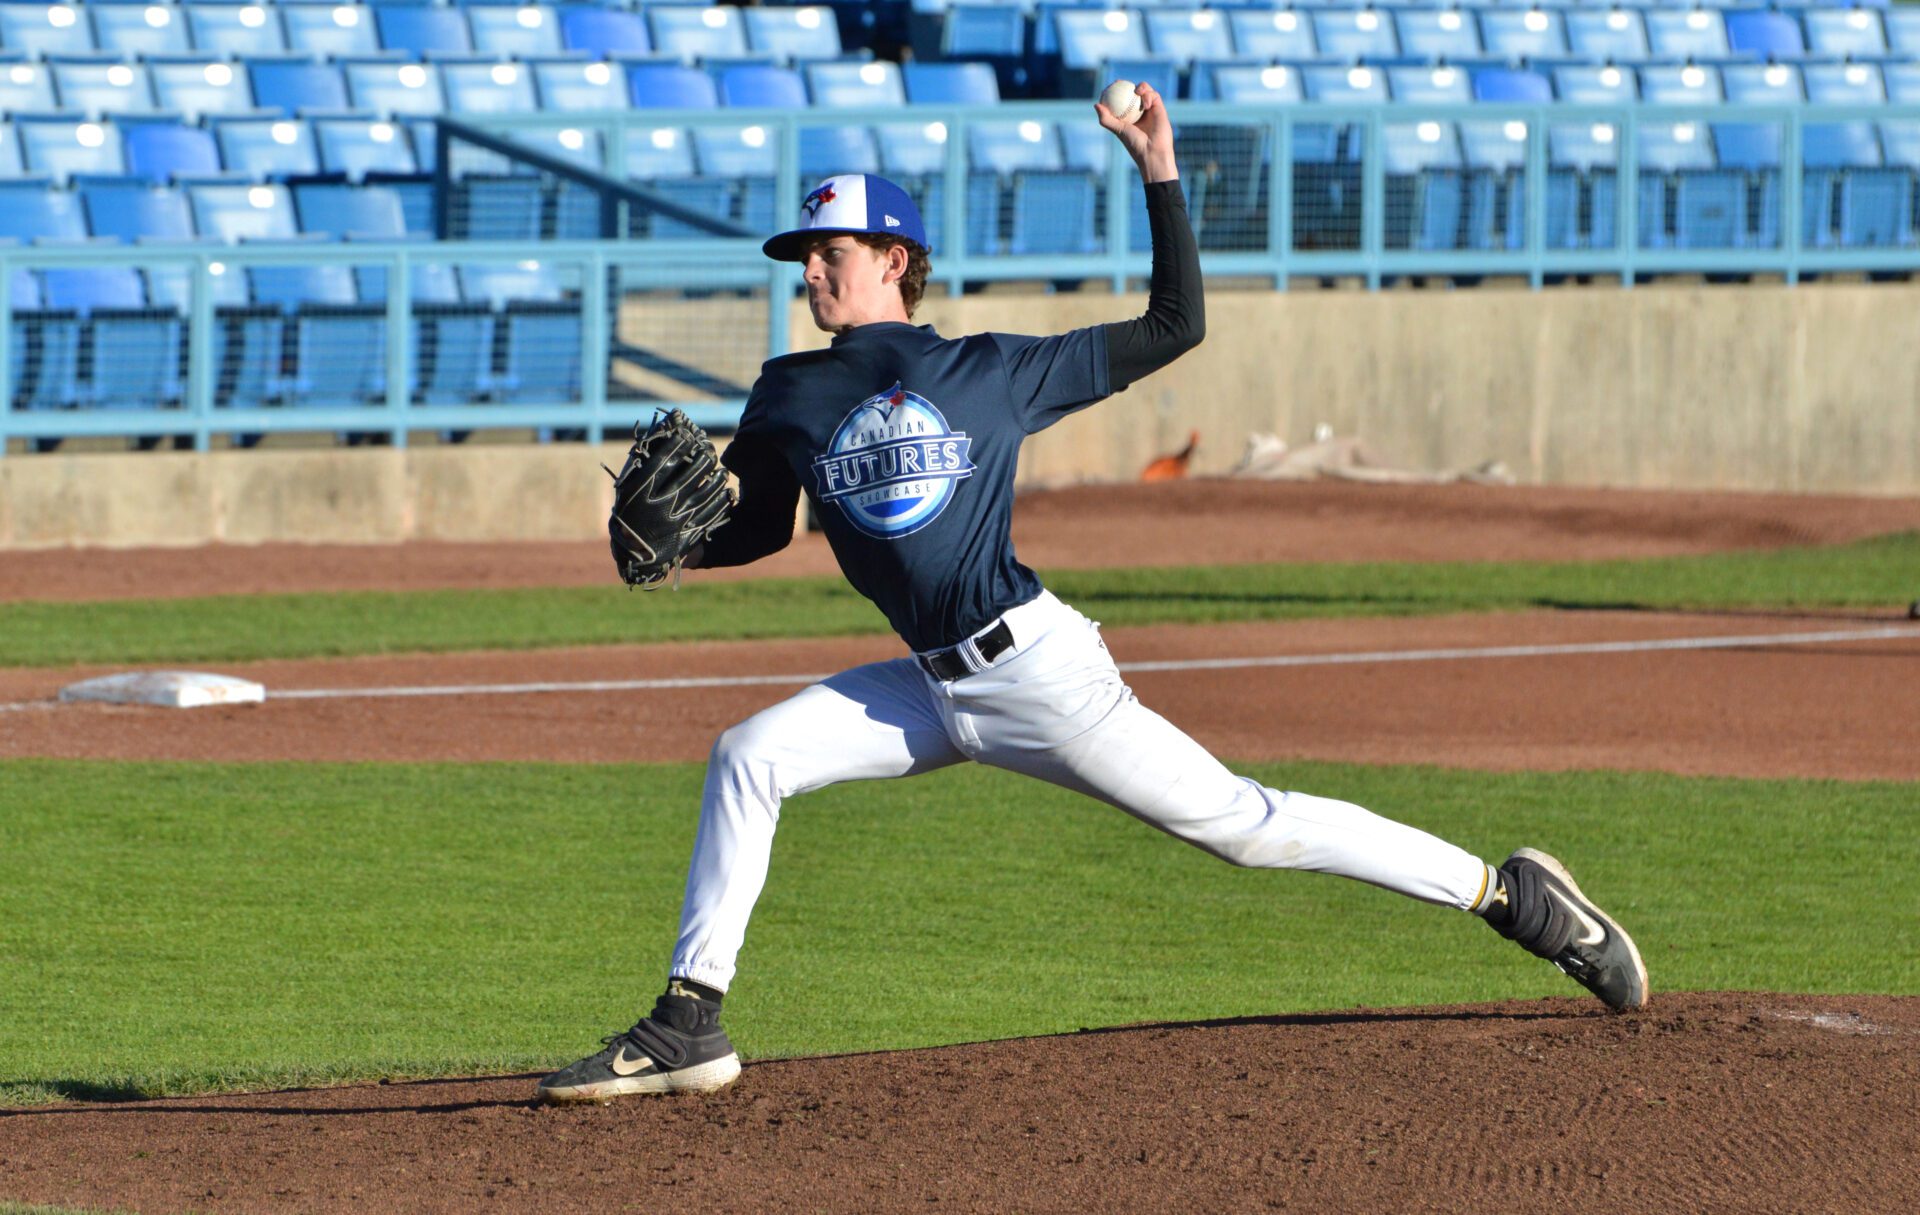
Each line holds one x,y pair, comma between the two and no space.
736,152
1689,85
1595,85
139,29
1429,86
340,344
130,213
1444,33
1768,34
1754,146
604,31
32,213
670,86
1864,203
659,154
288,287
1283,34
541,329
1343,85
1090,37
912,149
421,31
991,34
1532,33
26,88
196,88
230,29
1184,35
523,31
1006,148
1354,34
46,348
841,85
291,86
826,151
1844,32
401,89
761,84
1842,145
1250,85
62,147
793,33
1902,82
1583,147
330,28
1903,31
1495,152
1053,213
1422,163
1699,33
365,212
1617,34
162,151
42,30
133,360
569,84
452,341
235,213
488,88
268,147
1086,148
1511,84
10,163
360,146
950,83
697,33
713,196
103,88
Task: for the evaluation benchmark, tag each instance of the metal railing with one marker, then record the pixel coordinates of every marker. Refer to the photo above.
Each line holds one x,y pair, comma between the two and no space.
1341,212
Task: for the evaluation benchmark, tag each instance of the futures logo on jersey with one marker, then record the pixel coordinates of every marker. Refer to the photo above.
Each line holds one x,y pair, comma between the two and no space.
893,464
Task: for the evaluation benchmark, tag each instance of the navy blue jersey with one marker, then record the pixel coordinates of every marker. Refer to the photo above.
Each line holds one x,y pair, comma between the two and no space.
906,443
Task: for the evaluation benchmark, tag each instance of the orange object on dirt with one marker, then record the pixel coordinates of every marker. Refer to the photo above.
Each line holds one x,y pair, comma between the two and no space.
1173,467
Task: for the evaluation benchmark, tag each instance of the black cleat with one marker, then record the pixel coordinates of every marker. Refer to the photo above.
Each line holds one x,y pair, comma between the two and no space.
1548,916
679,1048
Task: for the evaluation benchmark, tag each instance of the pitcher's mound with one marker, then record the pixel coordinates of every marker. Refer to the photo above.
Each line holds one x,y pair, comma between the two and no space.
1723,1102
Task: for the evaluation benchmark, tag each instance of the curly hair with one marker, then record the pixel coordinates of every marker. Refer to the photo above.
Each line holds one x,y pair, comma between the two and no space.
913,284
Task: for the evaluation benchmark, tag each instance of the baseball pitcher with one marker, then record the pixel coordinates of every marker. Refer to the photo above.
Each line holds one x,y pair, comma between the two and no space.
905,442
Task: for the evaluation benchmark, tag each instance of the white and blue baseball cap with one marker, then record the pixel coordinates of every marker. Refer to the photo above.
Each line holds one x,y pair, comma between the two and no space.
851,202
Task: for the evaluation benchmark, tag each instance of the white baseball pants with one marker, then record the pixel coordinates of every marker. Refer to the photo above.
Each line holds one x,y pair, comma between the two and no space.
1053,707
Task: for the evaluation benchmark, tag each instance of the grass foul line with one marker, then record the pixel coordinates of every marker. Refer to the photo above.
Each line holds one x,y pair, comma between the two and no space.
1194,664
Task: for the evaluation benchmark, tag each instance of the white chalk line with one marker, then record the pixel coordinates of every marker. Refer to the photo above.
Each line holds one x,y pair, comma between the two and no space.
1459,654
1194,664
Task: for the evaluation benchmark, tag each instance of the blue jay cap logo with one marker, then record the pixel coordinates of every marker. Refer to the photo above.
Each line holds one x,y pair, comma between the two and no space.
893,464
851,203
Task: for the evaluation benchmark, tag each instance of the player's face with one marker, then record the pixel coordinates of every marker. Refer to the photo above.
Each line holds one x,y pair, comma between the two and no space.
847,285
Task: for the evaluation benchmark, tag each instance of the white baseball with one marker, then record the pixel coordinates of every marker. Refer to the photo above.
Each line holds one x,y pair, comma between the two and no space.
1122,100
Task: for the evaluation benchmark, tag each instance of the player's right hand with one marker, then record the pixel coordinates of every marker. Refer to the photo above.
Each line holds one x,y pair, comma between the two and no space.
1149,140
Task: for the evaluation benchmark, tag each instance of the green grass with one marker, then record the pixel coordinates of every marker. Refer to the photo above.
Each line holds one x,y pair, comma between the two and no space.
182,927
1877,572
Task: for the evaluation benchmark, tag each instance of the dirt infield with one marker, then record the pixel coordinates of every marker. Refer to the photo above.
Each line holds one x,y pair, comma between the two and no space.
1745,1102
1091,527
1702,1103
1697,712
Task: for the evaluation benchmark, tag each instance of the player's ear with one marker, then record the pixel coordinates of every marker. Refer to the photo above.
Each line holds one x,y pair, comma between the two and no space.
896,263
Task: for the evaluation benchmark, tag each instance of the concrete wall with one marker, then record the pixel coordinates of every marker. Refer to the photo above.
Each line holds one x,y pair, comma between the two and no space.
1811,388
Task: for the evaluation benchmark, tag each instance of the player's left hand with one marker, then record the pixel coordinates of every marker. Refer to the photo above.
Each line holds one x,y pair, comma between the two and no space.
1149,140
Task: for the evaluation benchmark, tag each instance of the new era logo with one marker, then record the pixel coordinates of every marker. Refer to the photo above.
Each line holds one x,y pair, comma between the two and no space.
891,221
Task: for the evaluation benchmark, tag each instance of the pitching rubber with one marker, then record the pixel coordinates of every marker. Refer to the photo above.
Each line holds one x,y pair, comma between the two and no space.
703,1078
1553,866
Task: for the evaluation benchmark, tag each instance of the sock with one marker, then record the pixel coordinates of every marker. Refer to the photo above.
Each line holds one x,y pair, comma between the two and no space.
1493,904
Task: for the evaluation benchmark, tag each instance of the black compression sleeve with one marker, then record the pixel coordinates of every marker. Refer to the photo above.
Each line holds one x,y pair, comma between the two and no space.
762,522
1176,316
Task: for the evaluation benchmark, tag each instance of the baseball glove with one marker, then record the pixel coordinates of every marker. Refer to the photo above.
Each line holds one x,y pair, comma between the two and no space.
669,495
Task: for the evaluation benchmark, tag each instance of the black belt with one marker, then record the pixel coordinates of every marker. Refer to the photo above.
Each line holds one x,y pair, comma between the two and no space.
952,662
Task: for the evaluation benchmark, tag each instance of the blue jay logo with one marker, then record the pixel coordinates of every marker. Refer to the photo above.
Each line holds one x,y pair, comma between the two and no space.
818,199
893,464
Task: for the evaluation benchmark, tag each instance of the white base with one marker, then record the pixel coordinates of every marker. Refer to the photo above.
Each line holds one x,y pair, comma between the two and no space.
169,689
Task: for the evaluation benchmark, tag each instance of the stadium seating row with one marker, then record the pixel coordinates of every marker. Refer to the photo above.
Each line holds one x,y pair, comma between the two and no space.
1088,38
522,30
110,336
